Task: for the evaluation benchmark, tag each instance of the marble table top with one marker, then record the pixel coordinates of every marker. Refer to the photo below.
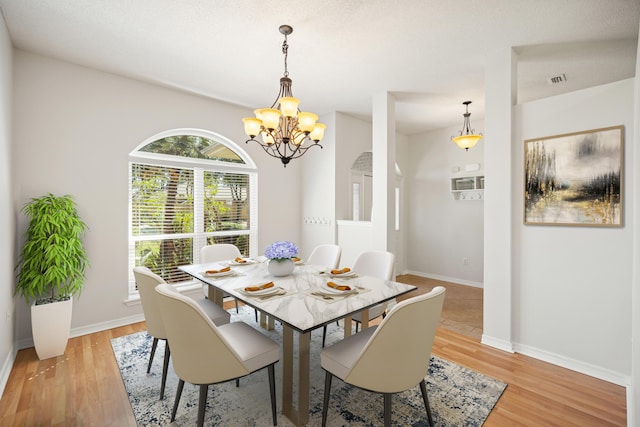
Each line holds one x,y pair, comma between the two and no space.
301,300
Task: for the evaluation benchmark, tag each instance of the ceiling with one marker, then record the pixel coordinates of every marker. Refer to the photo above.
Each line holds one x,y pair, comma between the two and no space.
430,54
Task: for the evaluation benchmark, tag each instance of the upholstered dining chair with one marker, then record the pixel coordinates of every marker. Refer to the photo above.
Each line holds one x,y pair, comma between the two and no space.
221,252
378,264
326,255
205,354
217,253
147,281
391,357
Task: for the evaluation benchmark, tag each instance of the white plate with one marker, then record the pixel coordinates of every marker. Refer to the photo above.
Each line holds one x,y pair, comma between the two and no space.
220,274
329,290
262,292
248,261
347,274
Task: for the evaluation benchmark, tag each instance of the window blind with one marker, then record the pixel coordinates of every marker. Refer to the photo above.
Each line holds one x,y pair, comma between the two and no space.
175,211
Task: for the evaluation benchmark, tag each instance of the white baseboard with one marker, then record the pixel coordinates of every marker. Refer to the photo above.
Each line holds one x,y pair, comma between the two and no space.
497,343
90,329
555,359
7,365
558,360
575,365
116,323
446,279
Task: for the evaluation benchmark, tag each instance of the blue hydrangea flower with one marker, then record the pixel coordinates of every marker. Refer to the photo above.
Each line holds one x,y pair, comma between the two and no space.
281,250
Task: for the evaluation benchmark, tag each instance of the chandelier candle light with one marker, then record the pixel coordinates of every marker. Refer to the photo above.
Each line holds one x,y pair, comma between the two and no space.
283,128
467,138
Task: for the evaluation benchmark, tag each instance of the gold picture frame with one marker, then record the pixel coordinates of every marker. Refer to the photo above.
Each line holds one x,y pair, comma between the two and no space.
574,178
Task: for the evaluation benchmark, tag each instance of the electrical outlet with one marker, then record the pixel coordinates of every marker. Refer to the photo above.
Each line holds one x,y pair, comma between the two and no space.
465,261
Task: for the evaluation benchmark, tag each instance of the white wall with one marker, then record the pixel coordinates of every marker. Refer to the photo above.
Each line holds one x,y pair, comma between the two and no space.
7,215
73,130
442,231
354,137
402,161
318,199
633,395
572,285
354,237
326,178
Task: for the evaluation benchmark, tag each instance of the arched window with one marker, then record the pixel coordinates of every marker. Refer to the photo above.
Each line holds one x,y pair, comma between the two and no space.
188,188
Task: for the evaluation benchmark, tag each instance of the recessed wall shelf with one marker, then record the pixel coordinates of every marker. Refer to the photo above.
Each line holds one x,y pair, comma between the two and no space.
469,187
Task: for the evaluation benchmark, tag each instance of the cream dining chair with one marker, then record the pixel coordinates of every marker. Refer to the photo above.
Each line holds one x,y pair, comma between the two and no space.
221,252
204,353
326,255
378,264
217,253
391,357
147,281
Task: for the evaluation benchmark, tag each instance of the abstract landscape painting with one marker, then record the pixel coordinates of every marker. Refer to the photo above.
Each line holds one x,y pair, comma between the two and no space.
574,179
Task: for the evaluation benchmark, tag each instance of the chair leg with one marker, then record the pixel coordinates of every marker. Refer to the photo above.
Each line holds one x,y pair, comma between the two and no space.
324,335
272,392
153,353
237,309
256,314
165,368
202,403
327,390
423,390
387,409
177,400
357,323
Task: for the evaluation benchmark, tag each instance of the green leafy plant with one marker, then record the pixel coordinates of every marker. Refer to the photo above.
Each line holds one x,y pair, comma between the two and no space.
53,259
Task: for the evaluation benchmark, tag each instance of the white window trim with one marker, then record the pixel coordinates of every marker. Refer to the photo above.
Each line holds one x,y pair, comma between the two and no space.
248,167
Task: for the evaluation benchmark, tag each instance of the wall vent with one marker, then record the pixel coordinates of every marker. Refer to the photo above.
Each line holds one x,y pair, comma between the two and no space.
559,78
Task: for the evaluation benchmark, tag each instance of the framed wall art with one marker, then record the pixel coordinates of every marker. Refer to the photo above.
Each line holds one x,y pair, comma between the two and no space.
574,179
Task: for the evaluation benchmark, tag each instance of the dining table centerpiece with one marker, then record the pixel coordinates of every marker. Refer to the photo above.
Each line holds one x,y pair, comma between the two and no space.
280,256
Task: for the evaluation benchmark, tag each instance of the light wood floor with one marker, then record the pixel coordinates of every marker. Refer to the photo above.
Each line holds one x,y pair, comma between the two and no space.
462,309
84,387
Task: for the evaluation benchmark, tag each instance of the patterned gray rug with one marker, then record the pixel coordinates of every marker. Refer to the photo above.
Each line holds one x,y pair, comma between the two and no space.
458,396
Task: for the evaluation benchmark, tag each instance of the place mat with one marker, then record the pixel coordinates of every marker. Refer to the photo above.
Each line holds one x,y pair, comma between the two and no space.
248,261
328,274
264,297
330,297
233,273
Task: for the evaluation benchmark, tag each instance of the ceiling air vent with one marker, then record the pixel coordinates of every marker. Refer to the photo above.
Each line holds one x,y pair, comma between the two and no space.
559,78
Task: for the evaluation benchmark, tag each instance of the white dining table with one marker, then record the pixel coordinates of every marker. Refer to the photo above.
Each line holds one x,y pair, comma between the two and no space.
302,302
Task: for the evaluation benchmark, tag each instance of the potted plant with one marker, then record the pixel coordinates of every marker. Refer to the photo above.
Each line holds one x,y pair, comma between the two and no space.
51,269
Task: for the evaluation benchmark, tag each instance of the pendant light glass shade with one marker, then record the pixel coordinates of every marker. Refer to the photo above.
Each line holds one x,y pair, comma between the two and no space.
467,138
467,141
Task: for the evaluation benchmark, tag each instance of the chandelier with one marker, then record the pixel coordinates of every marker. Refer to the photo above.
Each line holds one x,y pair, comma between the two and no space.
467,138
285,131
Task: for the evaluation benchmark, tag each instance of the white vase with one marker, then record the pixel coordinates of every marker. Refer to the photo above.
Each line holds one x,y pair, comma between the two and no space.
280,268
50,326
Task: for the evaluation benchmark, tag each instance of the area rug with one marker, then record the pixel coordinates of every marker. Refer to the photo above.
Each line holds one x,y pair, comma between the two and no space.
458,396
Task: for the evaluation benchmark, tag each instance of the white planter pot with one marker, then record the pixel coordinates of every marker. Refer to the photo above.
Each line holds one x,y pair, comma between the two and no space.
281,268
50,327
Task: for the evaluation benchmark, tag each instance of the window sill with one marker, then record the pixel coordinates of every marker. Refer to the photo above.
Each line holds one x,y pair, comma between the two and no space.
184,288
